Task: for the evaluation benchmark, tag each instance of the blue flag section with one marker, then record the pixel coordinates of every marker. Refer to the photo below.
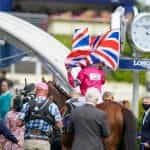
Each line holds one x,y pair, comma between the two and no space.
134,64
10,55
6,5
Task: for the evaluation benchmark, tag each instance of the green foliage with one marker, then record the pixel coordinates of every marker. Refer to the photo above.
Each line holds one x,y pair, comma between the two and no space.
127,49
140,115
65,39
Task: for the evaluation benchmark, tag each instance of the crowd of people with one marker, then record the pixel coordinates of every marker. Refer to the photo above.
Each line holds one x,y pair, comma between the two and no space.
32,124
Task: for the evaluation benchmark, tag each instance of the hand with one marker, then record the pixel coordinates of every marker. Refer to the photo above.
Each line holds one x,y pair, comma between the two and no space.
19,123
69,69
146,145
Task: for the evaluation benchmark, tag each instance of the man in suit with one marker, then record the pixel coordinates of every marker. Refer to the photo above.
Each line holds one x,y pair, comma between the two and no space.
145,133
89,124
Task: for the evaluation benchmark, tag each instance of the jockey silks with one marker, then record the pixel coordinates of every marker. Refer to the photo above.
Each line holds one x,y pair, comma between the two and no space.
88,77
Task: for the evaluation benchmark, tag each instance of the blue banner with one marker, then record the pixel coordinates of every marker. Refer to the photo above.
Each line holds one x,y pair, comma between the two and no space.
6,5
101,2
134,64
10,55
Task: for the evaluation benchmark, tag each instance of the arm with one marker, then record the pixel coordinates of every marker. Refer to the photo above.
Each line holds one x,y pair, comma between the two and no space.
53,109
81,76
70,78
73,82
103,77
105,131
7,133
24,111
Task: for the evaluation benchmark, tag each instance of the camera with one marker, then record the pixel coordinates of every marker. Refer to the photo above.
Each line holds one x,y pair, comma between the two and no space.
27,93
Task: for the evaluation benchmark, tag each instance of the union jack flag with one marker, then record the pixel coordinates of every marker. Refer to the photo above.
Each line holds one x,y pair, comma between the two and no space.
106,49
89,50
80,48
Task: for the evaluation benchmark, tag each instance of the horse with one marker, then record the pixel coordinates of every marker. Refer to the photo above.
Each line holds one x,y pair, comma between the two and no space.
122,123
121,120
57,93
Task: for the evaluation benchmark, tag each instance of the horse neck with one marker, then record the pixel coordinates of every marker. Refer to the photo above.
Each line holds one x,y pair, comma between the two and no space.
61,90
59,95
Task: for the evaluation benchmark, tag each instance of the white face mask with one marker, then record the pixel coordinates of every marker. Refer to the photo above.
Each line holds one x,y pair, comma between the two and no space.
41,97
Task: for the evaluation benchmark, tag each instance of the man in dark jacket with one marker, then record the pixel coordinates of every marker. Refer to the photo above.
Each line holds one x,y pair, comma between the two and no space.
7,133
89,124
145,133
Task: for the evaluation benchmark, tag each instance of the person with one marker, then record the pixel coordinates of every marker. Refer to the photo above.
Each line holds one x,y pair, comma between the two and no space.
108,96
89,125
145,132
75,100
15,125
6,133
126,104
40,115
55,139
90,76
3,76
5,99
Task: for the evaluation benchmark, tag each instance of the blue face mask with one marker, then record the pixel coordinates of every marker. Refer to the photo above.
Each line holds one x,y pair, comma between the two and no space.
146,106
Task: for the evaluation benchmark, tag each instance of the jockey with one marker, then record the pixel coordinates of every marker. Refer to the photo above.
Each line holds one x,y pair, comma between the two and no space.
90,76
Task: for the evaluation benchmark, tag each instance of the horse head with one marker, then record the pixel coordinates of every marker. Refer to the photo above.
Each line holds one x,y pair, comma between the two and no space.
58,94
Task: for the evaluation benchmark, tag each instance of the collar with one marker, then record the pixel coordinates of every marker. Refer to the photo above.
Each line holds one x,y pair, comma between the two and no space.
40,98
146,112
90,103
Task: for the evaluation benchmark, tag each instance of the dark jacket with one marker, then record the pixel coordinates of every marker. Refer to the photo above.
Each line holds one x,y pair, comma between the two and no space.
89,126
145,133
7,133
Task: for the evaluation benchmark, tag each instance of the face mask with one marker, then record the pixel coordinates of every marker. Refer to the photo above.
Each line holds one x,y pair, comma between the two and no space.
146,106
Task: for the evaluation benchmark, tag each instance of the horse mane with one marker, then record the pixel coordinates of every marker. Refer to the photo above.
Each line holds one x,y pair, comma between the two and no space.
61,90
59,95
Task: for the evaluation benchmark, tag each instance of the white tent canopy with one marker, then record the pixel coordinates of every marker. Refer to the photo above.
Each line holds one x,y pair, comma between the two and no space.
32,39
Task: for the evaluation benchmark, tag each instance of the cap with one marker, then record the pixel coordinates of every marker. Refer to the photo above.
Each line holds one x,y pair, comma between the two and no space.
42,85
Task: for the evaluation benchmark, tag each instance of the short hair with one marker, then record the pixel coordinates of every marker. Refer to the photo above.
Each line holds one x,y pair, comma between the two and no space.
146,99
4,72
107,94
92,95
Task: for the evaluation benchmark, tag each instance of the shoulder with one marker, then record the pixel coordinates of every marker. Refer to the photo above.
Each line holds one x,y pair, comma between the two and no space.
10,113
53,107
100,113
77,109
52,104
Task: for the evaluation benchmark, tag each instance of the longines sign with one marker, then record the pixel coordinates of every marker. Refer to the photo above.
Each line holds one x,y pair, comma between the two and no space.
134,63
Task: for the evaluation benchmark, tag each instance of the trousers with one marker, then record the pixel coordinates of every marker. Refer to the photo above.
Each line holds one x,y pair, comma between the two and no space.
36,144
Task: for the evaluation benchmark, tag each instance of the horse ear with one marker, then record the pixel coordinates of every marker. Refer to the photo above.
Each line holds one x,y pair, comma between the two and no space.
43,79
